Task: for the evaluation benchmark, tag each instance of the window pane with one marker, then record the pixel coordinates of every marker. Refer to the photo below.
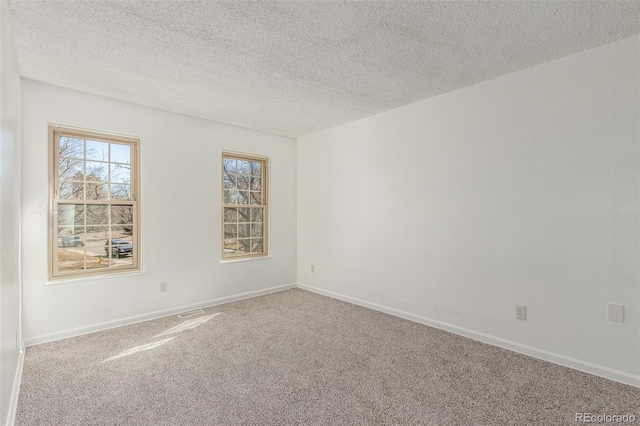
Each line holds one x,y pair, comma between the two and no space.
96,191
66,190
71,147
64,231
95,239
256,230
120,173
256,198
243,230
256,168
257,245
120,244
230,246
97,215
120,192
97,172
230,214
256,184
69,236
256,214
229,165
120,153
121,215
243,182
123,261
229,181
243,214
71,169
243,167
244,246
230,231
72,190
70,260
97,150
124,232
98,262
243,197
230,196
97,257
95,233
70,214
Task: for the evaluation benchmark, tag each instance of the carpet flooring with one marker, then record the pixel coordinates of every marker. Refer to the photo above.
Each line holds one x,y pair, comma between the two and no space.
295,357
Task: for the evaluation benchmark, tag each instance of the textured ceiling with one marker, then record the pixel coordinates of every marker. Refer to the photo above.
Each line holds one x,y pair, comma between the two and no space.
295,67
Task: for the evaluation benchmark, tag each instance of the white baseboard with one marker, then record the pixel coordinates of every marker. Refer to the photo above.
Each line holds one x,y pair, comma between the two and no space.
584,366
15,392
50,337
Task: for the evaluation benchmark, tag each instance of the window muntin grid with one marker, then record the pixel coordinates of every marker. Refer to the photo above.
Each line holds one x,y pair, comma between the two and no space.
94,215
244,206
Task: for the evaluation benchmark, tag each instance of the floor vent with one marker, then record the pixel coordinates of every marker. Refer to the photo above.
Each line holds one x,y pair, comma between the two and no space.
190,313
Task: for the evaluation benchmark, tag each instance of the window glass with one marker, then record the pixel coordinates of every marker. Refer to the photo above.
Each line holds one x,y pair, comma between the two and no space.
244,206
94,199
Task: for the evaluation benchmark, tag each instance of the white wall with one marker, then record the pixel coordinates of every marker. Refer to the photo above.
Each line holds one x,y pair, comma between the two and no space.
181,173
9,218
518,190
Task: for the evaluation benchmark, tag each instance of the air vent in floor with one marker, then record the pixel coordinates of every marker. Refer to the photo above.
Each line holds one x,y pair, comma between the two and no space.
190,313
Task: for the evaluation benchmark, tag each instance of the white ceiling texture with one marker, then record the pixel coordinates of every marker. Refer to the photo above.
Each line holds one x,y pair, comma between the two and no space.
292,68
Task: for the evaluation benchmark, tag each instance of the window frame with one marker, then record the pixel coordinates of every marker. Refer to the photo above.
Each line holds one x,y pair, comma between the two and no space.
265,183
55,133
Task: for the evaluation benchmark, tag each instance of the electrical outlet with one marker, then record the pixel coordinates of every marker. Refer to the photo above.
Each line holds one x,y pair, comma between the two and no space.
313,268
163,286
521,312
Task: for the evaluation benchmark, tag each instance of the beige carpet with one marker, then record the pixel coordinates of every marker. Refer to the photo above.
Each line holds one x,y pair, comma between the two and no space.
299,358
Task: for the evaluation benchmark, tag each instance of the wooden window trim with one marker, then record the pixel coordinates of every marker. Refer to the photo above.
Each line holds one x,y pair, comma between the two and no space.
265,182
55,132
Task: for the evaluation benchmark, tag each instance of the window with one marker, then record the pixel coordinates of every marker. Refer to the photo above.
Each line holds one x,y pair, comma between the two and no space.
244,206
94,193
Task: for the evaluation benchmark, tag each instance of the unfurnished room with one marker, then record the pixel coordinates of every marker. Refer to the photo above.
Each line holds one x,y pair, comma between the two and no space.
319,212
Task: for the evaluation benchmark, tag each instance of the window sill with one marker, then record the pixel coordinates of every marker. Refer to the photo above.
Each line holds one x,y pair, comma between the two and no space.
245,259
93,277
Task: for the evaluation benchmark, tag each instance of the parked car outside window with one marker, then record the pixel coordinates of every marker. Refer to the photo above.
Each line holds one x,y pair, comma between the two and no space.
119,247
72,241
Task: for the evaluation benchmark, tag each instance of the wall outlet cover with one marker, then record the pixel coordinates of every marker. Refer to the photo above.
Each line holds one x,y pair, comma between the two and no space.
616,312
